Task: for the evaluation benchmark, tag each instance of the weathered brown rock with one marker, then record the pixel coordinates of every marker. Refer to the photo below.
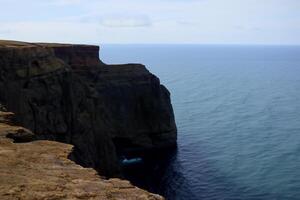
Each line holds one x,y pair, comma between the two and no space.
65,93
41,170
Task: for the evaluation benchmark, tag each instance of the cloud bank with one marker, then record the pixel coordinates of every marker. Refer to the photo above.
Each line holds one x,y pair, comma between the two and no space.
156,21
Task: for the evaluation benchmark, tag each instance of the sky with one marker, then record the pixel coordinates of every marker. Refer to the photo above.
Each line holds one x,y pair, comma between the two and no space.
152,21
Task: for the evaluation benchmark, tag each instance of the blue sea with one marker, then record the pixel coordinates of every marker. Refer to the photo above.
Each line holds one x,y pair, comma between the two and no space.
237,109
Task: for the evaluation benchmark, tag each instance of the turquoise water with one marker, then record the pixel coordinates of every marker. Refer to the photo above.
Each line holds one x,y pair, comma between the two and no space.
237,110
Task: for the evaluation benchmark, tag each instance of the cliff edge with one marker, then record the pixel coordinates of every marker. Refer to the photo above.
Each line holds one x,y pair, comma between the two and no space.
41,170
65,93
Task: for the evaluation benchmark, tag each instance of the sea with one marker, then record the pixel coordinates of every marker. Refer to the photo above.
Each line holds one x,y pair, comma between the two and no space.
237,109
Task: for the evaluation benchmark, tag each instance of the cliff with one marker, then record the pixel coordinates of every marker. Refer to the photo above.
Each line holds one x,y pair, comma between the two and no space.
41,170
65,93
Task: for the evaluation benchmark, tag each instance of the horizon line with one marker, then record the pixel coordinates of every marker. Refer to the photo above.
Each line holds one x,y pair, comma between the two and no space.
156,43
216,44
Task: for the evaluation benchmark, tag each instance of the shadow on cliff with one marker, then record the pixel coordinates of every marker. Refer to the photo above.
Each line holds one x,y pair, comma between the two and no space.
158,173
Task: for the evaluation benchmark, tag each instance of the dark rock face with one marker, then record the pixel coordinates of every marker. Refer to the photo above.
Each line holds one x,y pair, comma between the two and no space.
65,93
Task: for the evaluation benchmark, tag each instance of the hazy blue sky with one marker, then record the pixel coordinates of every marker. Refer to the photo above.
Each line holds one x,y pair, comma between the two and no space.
152,21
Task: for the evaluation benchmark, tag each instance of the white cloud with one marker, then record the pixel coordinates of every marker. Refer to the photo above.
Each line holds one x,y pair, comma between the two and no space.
125,21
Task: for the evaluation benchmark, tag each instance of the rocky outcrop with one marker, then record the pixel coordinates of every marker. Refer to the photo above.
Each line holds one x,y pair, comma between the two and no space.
65,93
41,170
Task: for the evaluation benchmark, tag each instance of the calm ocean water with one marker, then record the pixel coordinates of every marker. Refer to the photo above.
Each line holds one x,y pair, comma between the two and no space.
237,110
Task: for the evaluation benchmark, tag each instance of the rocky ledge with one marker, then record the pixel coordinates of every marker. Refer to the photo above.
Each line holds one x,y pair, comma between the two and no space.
41,170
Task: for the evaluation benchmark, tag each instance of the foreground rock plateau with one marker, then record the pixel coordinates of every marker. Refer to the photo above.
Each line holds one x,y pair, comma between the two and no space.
41,170
64,94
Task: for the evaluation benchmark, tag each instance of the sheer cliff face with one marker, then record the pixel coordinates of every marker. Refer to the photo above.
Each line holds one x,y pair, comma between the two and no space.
65,93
